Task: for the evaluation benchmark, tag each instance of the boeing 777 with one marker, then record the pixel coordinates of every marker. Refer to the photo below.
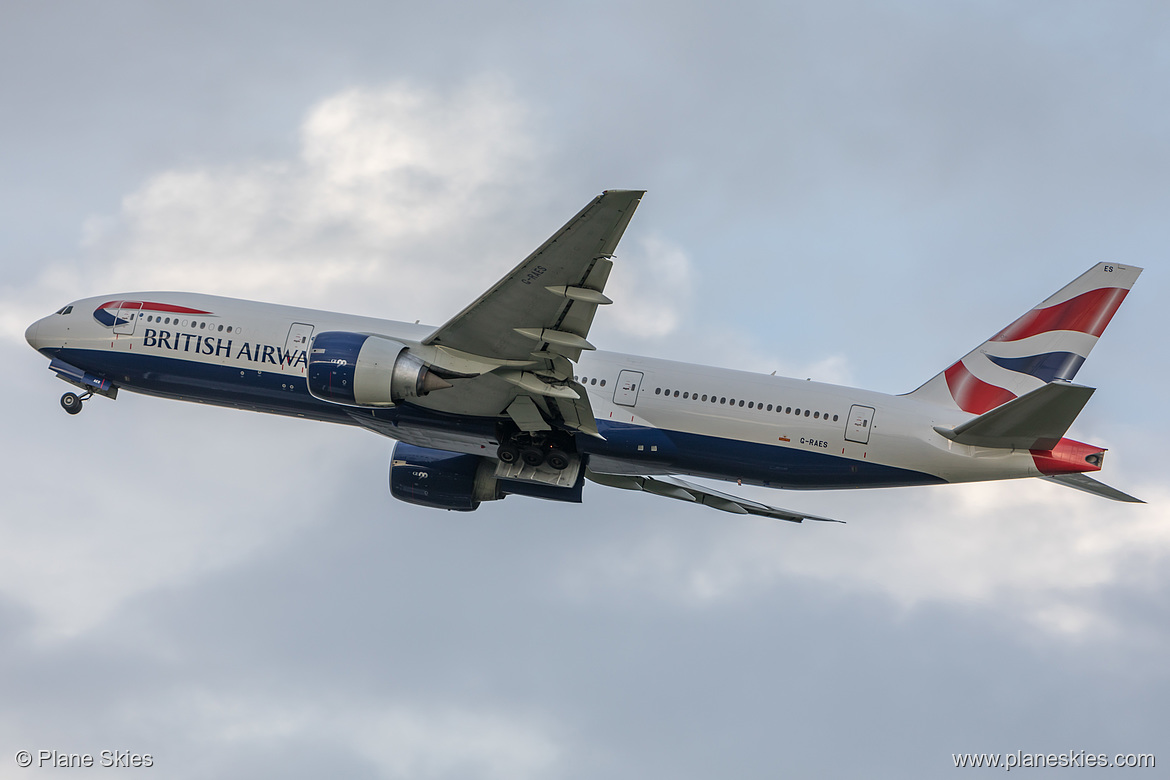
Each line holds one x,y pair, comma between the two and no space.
509,397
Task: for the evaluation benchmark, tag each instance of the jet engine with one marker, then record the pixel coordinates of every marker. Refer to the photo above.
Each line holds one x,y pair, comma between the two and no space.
362,370
450,480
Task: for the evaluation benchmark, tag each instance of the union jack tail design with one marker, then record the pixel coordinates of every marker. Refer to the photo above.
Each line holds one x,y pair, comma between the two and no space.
1048,343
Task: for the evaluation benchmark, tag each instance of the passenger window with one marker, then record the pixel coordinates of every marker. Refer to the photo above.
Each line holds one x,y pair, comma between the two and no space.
593,381
676,393
769,407
686,395
723,400
704,396
806,412
834,418
816,415
658,391
603,383
741,403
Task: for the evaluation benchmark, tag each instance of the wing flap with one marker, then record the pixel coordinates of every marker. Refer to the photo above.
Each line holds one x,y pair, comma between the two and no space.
576,414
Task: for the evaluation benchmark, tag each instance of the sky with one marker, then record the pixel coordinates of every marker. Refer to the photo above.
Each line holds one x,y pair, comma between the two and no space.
852,192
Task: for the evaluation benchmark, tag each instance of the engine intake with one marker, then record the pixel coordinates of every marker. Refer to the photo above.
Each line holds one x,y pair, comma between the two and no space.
362,370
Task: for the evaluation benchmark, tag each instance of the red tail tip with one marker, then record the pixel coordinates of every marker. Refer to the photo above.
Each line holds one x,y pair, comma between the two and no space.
1069,457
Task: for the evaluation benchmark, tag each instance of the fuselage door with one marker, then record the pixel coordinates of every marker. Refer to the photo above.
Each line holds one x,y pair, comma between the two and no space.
296,343
127,316
625,393
858,424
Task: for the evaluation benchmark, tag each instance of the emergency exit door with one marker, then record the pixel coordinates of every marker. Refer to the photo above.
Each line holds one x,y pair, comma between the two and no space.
127,317
625,393
858,424
298,341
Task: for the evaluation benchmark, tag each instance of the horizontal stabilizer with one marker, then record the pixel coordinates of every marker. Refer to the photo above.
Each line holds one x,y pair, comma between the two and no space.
1090,485
672,487
1034,421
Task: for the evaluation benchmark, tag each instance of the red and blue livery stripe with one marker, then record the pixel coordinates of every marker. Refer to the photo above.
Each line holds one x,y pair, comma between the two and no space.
108,313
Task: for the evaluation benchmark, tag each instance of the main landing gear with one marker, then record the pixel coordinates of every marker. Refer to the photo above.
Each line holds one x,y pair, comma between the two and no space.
71,402
534,451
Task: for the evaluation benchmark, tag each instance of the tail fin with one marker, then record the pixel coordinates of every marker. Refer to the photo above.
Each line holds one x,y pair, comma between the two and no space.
1049,342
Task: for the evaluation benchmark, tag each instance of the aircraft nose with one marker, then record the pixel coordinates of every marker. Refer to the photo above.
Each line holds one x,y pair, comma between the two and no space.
30,335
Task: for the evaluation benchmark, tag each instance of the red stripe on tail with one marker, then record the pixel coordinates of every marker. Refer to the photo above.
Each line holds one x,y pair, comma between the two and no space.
971,393
1088,313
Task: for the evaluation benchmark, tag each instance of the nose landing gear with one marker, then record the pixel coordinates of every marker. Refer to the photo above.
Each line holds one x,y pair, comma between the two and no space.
71,402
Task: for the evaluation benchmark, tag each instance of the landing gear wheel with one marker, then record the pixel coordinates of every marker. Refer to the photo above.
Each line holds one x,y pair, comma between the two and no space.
532,456
71,403
557,459
508,452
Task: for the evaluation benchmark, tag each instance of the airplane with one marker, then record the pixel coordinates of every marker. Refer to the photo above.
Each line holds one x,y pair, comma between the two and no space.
508,397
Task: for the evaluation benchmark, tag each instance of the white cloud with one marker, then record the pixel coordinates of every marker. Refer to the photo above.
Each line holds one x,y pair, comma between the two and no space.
1037,553
651,288
384,178
395,205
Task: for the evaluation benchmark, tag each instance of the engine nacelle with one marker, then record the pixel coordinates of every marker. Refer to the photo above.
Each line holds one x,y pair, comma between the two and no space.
362,370
451,480
442,479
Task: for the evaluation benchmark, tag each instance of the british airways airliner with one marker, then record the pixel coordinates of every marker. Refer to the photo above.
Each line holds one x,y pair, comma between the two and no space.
510,398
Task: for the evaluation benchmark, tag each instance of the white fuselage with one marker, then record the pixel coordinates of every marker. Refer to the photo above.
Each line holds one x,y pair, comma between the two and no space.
679,418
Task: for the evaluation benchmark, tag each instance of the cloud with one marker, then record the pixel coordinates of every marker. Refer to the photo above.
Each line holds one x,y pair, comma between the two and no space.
397,195
402,741
384,179
154,505
402,202
651,286
1040,554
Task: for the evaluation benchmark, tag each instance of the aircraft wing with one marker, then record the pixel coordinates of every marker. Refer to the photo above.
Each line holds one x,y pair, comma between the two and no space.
546,304
673,487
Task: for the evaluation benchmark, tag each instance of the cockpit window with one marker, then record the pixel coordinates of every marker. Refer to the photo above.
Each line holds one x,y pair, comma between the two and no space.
66,310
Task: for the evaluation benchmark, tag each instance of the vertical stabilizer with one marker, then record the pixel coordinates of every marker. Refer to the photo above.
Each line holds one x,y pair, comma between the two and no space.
1048,343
